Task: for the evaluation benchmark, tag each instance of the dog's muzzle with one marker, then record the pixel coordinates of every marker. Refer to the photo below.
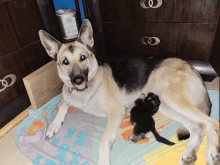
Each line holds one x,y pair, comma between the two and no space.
79,82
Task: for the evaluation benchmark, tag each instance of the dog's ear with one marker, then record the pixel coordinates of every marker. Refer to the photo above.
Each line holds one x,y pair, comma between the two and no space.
51,44
86,34
155,101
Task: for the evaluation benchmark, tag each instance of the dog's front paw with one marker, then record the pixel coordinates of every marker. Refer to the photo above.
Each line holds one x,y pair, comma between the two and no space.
129,137
53,129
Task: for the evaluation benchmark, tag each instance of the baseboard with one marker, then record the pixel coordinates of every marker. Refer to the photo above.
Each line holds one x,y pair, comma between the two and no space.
14,122
13,108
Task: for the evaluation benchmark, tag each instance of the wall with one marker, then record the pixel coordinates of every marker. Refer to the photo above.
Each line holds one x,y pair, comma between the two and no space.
58,4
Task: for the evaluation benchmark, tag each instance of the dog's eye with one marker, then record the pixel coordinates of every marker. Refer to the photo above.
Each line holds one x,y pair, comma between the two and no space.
82,58
65,62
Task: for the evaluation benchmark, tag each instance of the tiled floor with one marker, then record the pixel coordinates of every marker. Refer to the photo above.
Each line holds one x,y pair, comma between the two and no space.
10,155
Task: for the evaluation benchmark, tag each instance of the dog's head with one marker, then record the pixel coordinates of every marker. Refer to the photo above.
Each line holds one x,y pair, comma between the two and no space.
154,101
137,134
76,62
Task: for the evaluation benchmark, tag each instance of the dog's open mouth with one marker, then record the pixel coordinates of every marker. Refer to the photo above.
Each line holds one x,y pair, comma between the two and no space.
81,87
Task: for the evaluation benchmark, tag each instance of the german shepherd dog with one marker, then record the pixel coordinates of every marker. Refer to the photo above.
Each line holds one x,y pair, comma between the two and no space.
112,89
142,120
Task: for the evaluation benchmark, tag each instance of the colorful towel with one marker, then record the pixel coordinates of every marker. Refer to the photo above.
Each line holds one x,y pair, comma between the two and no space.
78,139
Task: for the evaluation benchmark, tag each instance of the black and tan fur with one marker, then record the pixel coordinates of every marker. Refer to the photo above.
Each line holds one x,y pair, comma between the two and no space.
115,87
142,120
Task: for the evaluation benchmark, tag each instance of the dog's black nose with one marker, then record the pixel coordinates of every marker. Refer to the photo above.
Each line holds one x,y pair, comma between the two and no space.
78,80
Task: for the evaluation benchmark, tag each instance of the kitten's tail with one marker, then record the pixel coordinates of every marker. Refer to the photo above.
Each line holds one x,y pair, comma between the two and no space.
161,139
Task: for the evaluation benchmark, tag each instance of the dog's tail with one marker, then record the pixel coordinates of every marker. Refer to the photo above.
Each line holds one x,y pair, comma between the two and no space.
182,133
161,139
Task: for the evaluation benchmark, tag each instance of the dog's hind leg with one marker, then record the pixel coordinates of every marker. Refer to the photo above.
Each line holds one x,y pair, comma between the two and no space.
57,122
213,148
196,134
116,116
205,106
197,123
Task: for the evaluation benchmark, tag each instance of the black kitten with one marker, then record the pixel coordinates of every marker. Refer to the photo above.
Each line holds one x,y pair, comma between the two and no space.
141,119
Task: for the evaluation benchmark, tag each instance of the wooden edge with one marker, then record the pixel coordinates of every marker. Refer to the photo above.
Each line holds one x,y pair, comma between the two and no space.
30,94
14,122
39,76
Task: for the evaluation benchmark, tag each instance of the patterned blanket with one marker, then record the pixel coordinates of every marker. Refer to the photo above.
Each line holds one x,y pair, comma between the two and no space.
78,139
